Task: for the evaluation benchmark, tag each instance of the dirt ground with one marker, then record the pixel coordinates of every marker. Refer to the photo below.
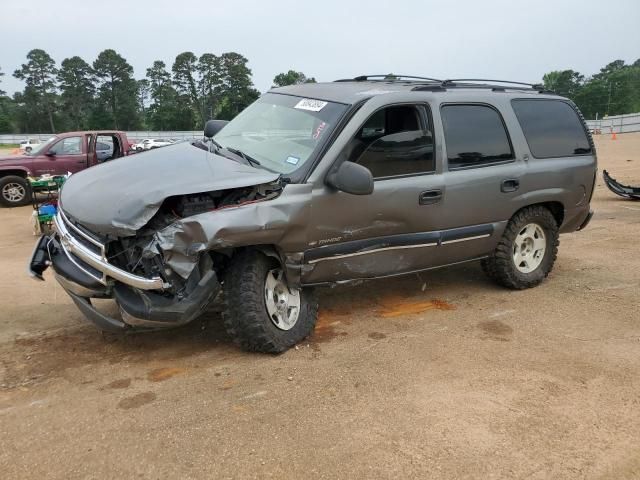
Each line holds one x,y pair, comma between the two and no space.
442,375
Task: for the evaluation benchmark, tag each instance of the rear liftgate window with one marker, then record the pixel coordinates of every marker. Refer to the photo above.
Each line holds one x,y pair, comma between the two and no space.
475,136
552,128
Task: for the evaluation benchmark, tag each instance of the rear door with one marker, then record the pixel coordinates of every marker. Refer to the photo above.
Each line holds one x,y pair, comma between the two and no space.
483,175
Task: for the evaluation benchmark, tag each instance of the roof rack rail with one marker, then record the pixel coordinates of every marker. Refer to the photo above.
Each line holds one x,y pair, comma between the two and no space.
434,84
454,80
496,85
389,77
534,86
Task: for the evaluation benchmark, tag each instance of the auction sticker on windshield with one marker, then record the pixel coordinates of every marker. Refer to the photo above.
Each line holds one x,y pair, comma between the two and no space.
311,105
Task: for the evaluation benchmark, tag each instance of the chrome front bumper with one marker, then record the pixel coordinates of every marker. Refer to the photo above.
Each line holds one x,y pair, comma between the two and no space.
95,257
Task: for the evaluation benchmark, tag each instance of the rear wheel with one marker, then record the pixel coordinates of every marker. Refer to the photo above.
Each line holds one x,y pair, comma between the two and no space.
527,251
28,149
14,191
262,312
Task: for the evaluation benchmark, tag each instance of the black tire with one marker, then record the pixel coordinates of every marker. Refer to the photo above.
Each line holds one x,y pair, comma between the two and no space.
5,195
245,313
28,149
501,267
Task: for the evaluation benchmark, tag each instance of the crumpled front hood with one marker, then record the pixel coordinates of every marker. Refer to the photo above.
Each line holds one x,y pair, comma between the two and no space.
121,196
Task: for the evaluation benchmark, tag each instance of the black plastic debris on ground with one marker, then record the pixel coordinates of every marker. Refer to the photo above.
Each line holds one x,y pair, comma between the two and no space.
626,191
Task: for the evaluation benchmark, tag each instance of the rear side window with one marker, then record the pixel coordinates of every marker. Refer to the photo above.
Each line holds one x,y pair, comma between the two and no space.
552,128
474,135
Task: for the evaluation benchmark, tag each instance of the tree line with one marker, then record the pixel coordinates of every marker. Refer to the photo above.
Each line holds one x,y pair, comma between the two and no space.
614,90
104,94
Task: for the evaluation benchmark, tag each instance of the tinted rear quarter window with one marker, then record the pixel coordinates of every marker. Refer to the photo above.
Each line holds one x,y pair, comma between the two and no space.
552,128
474,136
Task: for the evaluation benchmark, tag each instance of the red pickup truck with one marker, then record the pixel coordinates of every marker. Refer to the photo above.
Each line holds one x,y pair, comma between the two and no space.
62,153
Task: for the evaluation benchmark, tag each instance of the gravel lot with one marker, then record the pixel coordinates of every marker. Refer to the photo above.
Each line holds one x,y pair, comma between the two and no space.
438,376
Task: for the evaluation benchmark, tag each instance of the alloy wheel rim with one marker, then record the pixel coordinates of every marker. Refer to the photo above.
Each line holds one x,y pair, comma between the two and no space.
282,302
529,248
13,192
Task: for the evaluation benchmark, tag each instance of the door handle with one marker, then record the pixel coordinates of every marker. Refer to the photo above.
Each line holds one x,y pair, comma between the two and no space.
509,185
430,197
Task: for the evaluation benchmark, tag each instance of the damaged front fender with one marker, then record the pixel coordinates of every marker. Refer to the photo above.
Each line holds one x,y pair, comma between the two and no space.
279,221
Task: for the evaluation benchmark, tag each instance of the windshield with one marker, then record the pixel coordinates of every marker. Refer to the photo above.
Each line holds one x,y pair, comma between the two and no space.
282,132
41,148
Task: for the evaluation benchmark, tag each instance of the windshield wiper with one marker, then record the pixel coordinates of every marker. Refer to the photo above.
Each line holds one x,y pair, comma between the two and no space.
250,160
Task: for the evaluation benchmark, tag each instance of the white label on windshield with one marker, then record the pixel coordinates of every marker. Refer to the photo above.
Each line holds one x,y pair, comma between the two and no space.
312,105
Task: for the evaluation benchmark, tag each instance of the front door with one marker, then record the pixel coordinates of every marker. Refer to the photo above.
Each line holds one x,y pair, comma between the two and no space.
396,228
66,155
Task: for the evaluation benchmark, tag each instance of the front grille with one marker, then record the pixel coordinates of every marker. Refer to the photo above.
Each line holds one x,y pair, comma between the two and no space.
83,237
97,274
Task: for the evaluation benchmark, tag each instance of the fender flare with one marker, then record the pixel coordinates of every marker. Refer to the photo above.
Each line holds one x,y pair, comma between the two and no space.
12,170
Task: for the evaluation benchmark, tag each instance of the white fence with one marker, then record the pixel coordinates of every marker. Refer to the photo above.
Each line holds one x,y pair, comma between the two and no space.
132,136
618,124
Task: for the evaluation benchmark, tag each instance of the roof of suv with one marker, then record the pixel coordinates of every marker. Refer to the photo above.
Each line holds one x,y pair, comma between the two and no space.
352,91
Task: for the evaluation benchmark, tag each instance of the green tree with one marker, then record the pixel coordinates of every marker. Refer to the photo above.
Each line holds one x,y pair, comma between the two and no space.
185,80
236,88
39,73
614,90
291,78
117,104
76,81
564,82
144,90
209,83
163,109
6,110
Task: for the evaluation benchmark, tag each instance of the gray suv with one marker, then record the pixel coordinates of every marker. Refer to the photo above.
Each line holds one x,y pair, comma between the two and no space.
324,184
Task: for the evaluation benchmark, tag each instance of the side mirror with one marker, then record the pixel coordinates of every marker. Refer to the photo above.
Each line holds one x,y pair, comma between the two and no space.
212,127
51,153
351,178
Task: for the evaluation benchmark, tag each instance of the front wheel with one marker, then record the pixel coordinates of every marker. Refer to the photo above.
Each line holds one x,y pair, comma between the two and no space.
262,312
14,191
527,251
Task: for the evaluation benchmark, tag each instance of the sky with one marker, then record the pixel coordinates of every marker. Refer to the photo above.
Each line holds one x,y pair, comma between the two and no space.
331,39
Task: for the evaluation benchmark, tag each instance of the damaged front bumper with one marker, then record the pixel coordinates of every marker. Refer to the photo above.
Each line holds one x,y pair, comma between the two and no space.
92,253
84,272
626,191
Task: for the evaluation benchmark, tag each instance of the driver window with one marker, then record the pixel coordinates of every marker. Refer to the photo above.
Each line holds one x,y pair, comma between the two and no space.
68,146
394,141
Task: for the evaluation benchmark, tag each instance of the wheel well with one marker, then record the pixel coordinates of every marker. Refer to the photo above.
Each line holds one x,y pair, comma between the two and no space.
18,173
556,209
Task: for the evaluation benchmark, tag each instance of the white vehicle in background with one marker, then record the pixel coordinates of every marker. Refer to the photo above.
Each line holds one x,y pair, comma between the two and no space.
156,143
139,145
29,145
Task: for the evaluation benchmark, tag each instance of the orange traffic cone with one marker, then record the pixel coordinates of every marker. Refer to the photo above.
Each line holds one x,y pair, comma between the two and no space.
613,136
